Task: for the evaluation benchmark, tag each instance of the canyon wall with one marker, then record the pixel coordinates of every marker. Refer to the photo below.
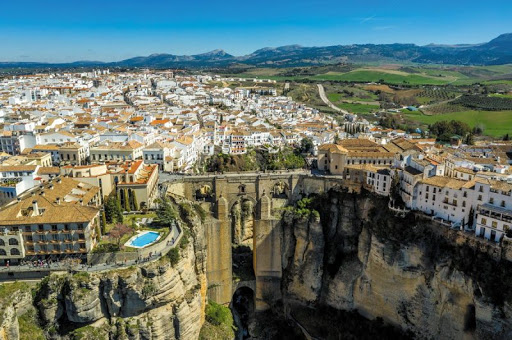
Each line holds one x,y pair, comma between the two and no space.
408,271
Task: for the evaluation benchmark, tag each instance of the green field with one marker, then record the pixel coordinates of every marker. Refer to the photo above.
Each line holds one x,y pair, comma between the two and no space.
495,123
377,76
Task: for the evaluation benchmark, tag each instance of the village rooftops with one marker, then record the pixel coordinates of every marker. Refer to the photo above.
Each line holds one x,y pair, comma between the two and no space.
18,168
62,201
448,182
129,145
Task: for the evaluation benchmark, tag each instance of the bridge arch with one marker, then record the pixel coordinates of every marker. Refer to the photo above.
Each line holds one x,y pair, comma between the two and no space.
243,306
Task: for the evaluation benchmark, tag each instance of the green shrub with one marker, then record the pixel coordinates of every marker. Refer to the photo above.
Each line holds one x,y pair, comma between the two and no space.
174,256
217,314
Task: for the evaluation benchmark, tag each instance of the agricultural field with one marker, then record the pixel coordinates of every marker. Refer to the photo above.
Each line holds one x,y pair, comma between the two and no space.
480,102
442,92
358,108
388,77
494,123
390,74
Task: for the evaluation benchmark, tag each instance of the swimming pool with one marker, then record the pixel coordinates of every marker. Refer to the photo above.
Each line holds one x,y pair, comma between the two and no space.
144,239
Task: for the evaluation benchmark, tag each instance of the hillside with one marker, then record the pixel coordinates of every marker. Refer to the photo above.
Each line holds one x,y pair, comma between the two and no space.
495,52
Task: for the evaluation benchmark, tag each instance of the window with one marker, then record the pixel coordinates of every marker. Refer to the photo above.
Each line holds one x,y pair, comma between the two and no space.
483,221
479,197
463,204
428,188
481,189
15,251
491,200
465,194
13,242
54,227
503,204
494,224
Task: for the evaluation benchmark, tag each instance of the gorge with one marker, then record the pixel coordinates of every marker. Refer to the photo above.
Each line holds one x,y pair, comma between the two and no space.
327,261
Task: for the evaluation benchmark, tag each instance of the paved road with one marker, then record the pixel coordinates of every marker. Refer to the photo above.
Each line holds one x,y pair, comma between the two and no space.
327,102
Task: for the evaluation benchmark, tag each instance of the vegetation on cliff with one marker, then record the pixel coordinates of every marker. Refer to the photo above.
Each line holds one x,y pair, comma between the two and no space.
255,160
219,323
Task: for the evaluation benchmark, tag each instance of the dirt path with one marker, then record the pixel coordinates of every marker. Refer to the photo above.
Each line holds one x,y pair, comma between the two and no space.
327,102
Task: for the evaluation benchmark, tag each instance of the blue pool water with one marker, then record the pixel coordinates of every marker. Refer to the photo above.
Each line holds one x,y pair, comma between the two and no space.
144,239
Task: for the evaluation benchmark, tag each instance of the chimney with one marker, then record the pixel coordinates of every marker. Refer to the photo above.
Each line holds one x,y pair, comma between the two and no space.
18,199
50,187
81,201
41,193
57,200
35,207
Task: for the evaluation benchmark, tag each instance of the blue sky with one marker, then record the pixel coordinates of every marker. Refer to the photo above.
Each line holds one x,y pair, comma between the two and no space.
109,30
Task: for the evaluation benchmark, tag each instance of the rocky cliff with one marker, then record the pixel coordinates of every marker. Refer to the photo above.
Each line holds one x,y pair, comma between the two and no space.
408,271
158,300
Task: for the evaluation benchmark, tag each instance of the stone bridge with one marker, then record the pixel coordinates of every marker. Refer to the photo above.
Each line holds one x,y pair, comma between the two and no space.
265,194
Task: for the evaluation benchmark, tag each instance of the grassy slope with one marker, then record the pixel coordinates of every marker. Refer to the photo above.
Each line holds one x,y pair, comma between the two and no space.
376,76
496,123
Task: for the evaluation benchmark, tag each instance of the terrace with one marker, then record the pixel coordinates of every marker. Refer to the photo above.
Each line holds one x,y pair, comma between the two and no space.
498,213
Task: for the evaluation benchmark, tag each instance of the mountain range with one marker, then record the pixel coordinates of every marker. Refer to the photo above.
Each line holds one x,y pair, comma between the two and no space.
495,52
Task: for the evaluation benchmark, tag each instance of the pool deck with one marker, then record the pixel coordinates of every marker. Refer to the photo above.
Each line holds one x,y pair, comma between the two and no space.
140,233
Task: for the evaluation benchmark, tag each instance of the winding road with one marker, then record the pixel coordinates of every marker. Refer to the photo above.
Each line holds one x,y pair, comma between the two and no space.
327,102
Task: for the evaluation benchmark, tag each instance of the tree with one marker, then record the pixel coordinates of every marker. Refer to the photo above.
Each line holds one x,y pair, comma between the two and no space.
471,218
306,145
166,215
103,221
126,200
135,204
469,139
119,231
112,209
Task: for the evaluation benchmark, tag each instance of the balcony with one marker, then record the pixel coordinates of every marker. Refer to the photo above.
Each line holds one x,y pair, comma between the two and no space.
450,203
497,213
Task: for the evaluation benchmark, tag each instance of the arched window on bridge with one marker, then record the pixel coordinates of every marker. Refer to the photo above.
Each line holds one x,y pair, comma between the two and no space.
2,243
15,251
13,242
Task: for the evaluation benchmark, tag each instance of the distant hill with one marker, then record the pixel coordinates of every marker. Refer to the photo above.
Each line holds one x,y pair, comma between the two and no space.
495,52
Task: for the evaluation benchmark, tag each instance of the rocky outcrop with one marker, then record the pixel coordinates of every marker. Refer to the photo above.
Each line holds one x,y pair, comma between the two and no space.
15,300
152,301
399,269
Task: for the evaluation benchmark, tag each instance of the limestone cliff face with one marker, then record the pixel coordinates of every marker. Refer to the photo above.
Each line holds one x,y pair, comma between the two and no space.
16,303
358,259
153,301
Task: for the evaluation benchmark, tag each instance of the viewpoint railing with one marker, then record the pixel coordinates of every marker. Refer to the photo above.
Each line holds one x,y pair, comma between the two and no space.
94,261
